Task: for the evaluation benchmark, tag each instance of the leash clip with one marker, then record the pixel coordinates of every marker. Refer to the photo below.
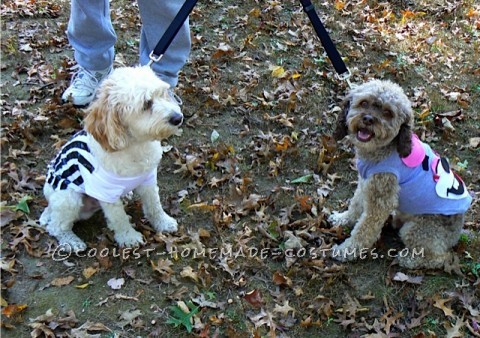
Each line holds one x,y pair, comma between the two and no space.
346,77
153,58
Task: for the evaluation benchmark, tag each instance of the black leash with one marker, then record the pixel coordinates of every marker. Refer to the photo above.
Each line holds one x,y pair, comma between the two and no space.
171,31
343,72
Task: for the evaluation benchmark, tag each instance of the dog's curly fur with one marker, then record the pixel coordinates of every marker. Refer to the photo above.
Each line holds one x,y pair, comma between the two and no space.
130,115
381,114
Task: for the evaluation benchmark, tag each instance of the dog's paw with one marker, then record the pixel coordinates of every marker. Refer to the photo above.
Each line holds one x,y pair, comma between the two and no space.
343,252
166,224
44,218
129,238
70,242
338,219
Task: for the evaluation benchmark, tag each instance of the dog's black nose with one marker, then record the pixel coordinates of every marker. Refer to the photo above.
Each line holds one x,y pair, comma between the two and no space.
176,119
367,119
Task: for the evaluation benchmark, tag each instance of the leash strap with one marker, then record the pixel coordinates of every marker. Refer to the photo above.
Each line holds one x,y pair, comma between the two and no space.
171,31
343,72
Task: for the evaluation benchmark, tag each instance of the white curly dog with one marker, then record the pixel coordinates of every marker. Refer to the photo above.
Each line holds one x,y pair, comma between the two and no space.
118,152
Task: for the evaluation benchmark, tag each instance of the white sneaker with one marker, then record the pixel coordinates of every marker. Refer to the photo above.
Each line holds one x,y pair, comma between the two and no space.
84,85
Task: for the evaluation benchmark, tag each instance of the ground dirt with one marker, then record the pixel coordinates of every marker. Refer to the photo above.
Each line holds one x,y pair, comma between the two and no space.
251,180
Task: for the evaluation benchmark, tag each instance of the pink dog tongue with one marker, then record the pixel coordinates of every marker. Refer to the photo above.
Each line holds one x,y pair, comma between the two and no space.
364,135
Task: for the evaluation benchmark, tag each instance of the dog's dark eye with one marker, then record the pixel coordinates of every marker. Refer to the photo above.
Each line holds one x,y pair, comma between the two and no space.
388,113
147,105
364,104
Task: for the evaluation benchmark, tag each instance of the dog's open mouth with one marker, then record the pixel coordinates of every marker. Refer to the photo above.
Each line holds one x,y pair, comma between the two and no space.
364,135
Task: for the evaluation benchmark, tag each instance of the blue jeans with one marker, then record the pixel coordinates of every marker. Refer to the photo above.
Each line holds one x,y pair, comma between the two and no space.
91,34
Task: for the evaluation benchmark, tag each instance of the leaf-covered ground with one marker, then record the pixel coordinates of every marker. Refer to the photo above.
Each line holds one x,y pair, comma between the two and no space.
251,180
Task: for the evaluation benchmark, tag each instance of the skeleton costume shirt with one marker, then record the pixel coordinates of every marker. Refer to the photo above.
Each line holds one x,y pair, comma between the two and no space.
76,168
427,184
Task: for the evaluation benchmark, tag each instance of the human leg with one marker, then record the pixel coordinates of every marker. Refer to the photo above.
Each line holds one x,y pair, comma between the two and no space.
91,34
156,17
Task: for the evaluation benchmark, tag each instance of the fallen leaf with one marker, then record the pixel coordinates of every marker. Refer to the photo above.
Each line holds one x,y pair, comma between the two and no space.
62,281
116,283
129,318
188,272
13,309
455,330
474,142
440,304
280,279
163,267
254,298
401,277
278,71
85,330
284,309
82,286
89,272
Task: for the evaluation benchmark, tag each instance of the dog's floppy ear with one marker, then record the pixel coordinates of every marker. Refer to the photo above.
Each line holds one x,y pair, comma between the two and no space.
404,140
341,130
103,121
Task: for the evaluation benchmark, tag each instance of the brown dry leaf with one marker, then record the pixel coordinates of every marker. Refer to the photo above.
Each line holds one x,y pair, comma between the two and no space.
308,322
104,260
264,318
390,320
13,309
202,206
62,281
203,233
440,304
89,272
7,265
85,330
7,216
305,202
251,203
455,330
254,298
284,309
280,279
188,272
223,49
130,318
163,267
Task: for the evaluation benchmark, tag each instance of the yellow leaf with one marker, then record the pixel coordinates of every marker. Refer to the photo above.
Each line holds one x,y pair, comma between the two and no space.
424,114
255,12
278,71
3,302
339,5
13,309
284,145
296,76
89,272
82,286
472,12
